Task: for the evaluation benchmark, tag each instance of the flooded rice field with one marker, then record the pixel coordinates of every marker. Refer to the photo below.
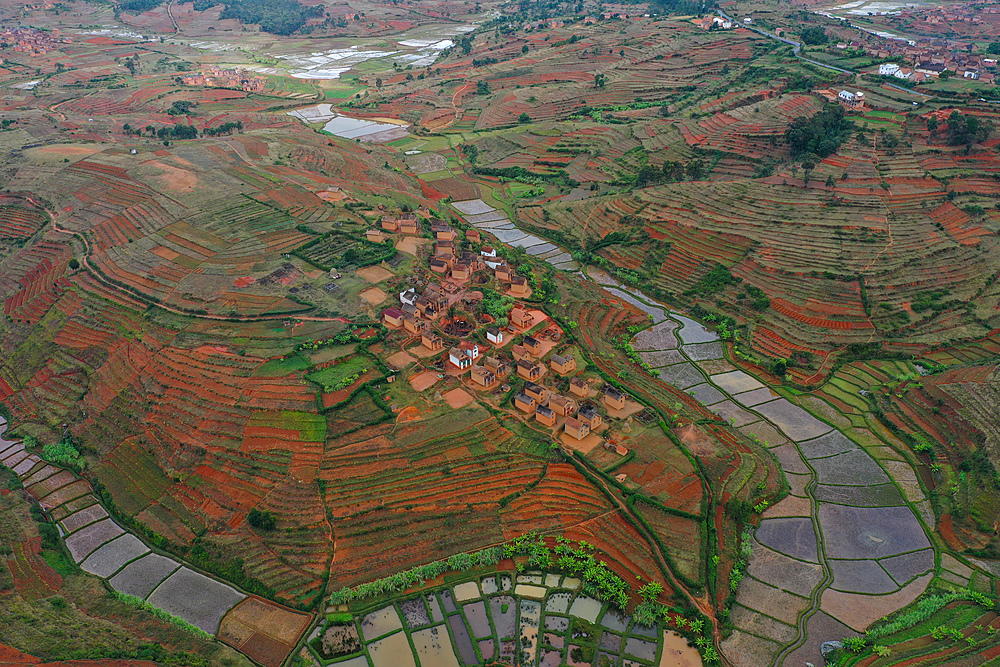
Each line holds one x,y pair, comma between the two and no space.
487,619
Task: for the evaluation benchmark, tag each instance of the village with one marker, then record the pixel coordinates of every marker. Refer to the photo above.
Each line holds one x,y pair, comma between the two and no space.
523,355
234,78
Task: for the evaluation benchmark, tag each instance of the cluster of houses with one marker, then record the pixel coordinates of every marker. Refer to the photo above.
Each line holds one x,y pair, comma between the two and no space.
31,41
231,77
918,61
447,261
580,418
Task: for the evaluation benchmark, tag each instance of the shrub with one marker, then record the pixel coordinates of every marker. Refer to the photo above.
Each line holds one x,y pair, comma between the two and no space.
263,520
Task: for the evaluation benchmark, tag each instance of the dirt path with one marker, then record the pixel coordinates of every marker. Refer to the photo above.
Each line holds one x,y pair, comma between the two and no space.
170,13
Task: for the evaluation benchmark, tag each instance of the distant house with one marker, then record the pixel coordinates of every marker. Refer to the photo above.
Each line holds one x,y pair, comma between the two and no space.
851,100
431,341
441,247
461,271
413,324
520,318
576,429
459,359
528,370
436,296
470,350
488,251
533,345
409,226
518,286
562,365
537,392
393,317
495,335
498,366
444,233
494,263
520,352
589,415
545,416
525,403
503,273
614,398
425,307
408,297
930,68
390,223
483,376
374,236
616,448
473,236
888,69
563,405
579,387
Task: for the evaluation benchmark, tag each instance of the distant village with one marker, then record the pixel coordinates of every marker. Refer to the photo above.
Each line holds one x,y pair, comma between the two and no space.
236,78
573,415
32,41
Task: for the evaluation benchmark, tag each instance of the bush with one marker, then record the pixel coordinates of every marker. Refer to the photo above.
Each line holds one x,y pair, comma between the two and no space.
63,453
263,520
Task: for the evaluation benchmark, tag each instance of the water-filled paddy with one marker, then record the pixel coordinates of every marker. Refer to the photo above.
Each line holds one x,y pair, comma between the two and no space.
502,625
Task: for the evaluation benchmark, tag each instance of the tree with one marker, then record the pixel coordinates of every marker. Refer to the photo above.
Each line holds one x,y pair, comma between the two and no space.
524,118
524,49
932,124
695,169
263,520
74,263
600,80
378,82
821,133
994,47
967,129
814,36
482,88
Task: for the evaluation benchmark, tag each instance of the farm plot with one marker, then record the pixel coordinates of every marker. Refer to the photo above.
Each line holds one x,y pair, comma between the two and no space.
197,599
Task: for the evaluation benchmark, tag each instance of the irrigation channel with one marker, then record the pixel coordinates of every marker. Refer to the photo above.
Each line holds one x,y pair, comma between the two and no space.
845,548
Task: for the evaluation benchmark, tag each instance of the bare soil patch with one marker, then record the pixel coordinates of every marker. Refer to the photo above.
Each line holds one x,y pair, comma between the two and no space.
174,179
373,295
401,359
410,244
374,274
423,381
457,398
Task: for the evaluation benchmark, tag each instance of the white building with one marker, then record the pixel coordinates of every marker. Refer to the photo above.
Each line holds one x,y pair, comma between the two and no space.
408,297
850,99
888,69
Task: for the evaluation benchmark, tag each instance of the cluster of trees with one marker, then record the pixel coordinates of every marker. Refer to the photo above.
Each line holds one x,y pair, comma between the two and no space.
670,172
264,520
822,133
182,131
226,128
814,36
963,129
280,17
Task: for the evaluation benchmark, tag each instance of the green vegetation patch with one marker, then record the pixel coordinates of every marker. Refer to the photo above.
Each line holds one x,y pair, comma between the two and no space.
311,427
342,375
284,366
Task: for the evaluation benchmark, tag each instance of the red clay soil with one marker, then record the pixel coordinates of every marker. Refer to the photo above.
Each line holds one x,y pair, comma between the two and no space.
11,657
948,533
33,578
